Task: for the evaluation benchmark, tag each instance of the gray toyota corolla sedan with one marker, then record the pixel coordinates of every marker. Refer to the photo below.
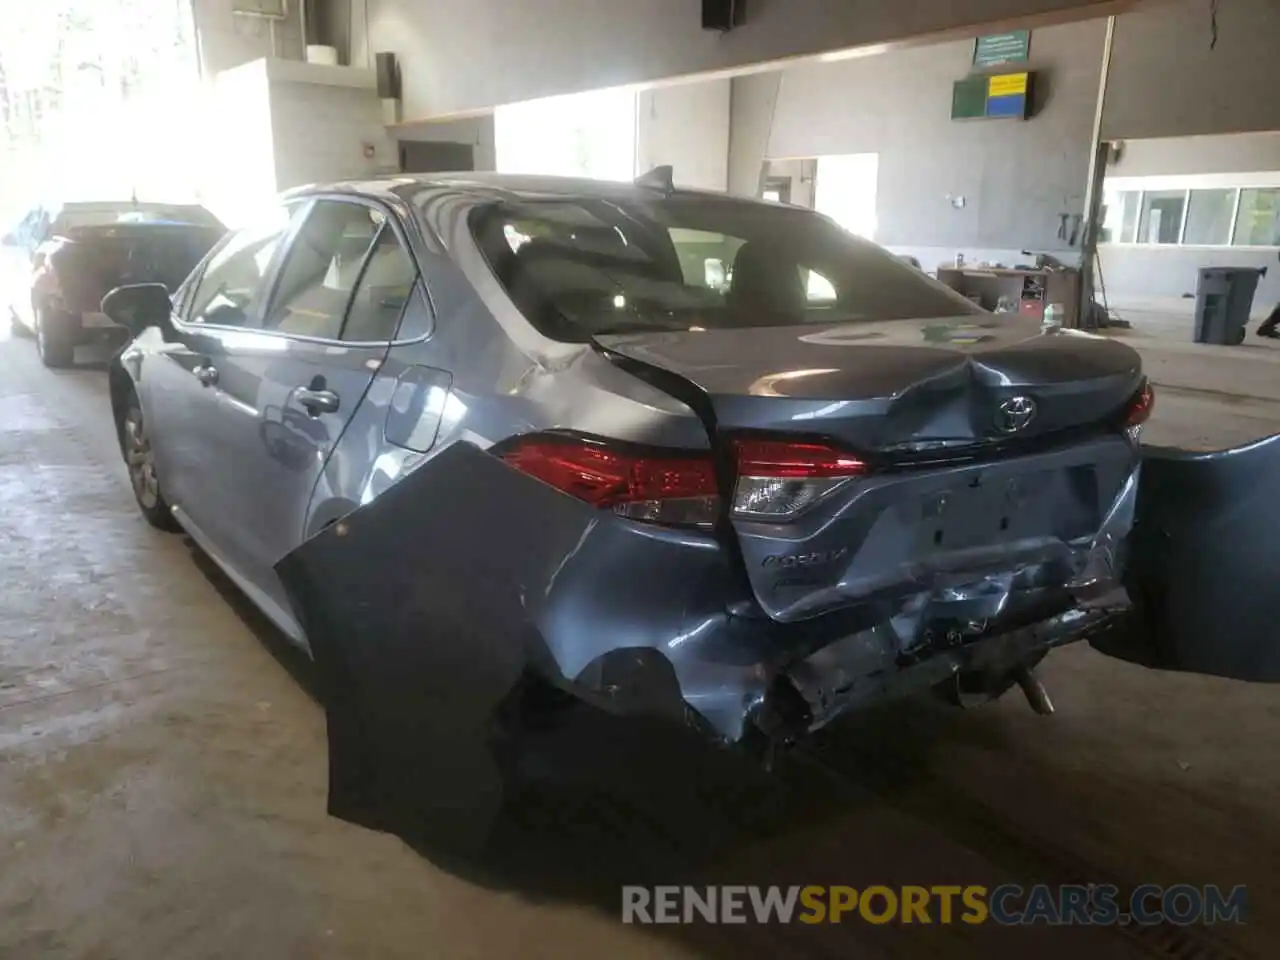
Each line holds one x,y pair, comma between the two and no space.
491,447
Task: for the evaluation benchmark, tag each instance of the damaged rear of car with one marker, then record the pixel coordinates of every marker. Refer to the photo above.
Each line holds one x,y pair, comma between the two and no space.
724,463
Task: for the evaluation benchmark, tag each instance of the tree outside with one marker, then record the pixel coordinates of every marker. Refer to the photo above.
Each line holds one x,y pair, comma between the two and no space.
95,97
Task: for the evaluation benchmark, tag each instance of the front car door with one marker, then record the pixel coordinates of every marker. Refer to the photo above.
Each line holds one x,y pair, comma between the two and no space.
292,383
181,384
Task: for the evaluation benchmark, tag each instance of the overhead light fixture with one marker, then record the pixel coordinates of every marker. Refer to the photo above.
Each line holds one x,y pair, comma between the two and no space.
855,53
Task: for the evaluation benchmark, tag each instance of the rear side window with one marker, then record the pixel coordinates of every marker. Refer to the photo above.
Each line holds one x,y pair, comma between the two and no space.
383,291
581,267
321,269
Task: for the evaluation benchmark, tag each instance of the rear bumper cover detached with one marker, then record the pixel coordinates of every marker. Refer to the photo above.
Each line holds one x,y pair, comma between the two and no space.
422,620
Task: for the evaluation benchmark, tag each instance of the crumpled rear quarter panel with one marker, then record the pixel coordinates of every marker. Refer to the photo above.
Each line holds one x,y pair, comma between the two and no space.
424,607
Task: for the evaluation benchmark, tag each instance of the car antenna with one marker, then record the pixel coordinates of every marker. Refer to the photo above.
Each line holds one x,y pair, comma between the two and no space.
659,178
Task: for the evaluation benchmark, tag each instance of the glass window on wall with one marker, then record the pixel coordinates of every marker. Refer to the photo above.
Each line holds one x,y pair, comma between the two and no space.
1209,217
1120,224
1258,220
1161,219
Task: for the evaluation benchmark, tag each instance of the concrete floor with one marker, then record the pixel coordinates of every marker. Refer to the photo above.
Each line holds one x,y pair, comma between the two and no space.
162,765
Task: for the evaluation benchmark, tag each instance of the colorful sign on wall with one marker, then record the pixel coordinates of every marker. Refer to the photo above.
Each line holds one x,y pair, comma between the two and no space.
997,95
1007,94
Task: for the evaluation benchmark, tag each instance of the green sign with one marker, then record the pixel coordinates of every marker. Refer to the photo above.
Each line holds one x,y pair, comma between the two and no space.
998,48
969,99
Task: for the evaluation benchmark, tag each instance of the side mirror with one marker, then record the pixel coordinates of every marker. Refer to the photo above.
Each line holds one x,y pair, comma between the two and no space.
138,306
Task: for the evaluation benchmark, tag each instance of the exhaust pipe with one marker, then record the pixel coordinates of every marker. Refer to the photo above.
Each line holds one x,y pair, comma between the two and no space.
1034,691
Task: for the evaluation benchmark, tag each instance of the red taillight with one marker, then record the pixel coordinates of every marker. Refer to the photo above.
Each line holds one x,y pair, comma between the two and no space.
643,484
780,479
1141,406
782,458
776,479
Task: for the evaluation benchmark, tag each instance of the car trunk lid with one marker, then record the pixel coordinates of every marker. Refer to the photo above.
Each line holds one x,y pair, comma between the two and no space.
101,258
946,466
885,386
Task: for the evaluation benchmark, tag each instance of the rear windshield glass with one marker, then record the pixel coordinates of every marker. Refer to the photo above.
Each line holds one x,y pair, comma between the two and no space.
579,267
75,216
160,254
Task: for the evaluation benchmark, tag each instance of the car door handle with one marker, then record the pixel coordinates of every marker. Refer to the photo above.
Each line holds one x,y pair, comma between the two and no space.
207,374
317,401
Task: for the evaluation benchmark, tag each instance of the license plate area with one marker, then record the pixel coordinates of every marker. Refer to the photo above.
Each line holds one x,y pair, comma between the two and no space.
986,509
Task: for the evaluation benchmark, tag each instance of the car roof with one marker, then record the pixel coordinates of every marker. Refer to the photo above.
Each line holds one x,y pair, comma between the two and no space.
485,185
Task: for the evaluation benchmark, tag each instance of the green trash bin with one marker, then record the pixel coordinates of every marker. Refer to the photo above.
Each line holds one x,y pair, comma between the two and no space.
1224,297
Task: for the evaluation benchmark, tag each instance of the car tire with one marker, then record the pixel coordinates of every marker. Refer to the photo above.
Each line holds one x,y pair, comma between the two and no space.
139,458
55,338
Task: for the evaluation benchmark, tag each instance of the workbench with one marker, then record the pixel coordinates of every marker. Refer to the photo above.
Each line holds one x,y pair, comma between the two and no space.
1031,290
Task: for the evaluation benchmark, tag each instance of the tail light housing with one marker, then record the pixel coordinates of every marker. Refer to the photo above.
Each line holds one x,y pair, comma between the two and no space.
776,480
672,487
1139,410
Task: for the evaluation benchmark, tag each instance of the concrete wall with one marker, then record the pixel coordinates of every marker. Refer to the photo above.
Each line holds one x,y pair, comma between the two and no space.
1016,177
476,131
752,102
227,40
1166,81
1142,272
686,125
461,55
360,52
321,132
1167,156
289,131
1135,274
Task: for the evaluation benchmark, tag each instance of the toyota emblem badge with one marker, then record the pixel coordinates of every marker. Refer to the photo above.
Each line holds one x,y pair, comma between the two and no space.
1015,414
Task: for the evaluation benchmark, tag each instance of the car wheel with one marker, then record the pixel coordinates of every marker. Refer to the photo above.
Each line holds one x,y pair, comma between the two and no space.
140,460
54,338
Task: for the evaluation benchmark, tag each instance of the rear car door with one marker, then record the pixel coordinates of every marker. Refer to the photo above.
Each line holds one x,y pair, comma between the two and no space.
181,387
293,383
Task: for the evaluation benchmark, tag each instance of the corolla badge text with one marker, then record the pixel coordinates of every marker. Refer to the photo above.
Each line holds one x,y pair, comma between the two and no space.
793,561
